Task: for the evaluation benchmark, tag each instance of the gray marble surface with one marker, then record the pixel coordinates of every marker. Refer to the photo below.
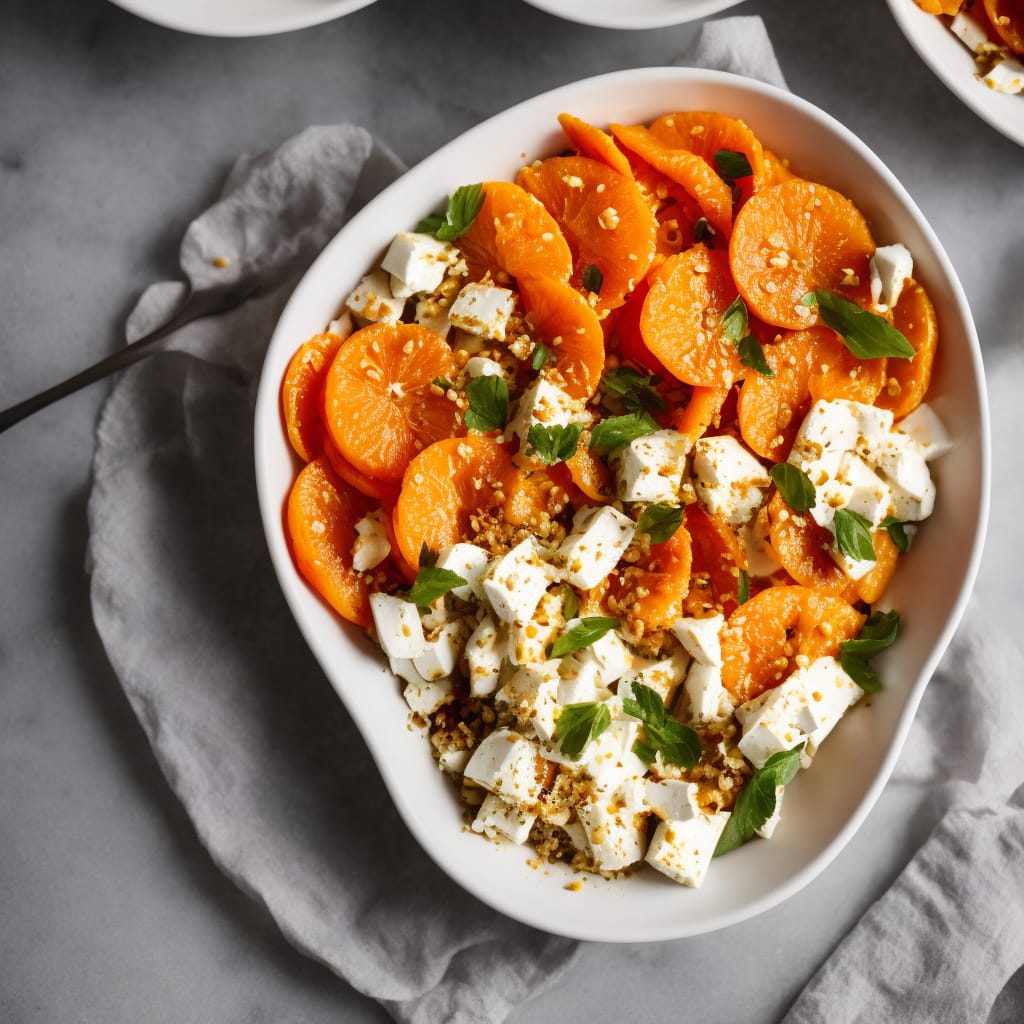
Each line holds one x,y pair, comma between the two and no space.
113,134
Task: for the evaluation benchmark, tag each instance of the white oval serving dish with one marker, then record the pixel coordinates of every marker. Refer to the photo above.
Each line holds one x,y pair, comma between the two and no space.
632,14
825,805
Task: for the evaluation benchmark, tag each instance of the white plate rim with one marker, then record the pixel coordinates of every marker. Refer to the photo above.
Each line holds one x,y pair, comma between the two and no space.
642,14
299,598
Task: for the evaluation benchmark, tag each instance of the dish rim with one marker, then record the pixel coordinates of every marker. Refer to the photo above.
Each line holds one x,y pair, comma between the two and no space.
574,10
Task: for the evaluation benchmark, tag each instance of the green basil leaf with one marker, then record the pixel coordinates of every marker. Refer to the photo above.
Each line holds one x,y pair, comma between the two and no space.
615,431
897,533
428,557
463,206
660,521
570,602
752,355
702,230
578,725
592,278
555,443
794,485
589,630
488,403
853,535
541,354
758,798
432,583
865,334
878,632
636,389
732,165
735,320
677,743
743,588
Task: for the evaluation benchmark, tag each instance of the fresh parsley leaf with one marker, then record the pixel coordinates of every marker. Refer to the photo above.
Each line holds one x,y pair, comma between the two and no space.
735,320
731,165
570,602
615,431
541,354
488,403
428,557
677,743
463,206
592,278
743,587
555,443
636,389
586,632
579,724
853,535
660,521
867,335
897,533
794,485
752,355
757,800
877,633
702,230
432,583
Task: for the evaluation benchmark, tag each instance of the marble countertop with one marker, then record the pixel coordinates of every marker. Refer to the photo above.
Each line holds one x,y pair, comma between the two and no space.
113,134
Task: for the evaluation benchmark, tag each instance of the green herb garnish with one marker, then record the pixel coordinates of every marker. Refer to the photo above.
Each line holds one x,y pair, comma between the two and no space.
586,632
428,556
660,521
578,725
488,403
752,355
541,354
555,443
732,165
758,798
702,230
877,633
897,533
736,327
867,335
442,382
570,602
794,485
743,587
853,535
677,743
592,278
463,206
432,583
636,389
612,433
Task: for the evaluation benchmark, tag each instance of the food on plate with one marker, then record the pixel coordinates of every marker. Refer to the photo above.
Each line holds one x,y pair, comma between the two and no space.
615,462
993,30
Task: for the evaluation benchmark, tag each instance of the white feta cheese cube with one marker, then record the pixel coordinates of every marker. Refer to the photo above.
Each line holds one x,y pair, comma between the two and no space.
927,430
433,316
481,366
609,759
1006,76
832,427
767,830
828,692
580,687
508,764
483,310
651,468
901,460
514,583
417,261
371,545
709,700
662,676
531,694
341,326
398,626
371,300
701,638
761,560
849,483
854,568
427,696
442,653
672,799
453,761
613,824
970,31
468,561
730,481
485,650
545,404
496,818
613,657
891,267
598,539
769,733
682,850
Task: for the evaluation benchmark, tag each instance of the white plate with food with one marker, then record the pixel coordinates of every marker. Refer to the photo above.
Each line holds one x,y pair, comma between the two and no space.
240,18
825,804
642,14
953,62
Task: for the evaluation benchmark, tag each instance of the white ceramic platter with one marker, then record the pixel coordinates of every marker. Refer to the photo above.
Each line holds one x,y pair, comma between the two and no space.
632,13
954,65
823,805
240,17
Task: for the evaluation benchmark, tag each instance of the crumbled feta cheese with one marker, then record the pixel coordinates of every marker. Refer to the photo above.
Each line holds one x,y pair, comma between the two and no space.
417,262
1006,75
891,267
485,651
672,799
609,759
901,460
398,626
508,764
453,761
372,301
542,403
852,484
761,560
709,700
832,427
651,468
701,638
515,582
483,310
442,653
610,822
580,687
662,676
682,850
598,539
341,326
468,561
531,694
371,545
427,696
927,430
480,366
970,31
433,316
729,479
497,818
